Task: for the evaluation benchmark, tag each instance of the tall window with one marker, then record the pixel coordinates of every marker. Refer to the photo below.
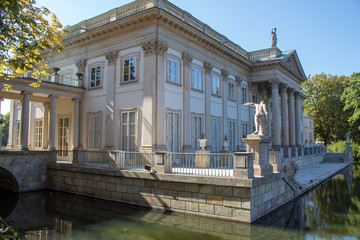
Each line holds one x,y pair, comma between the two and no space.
244,95
128,129
63,135
232,135
197,129
244,129
215,137
173,71
129,69
254,97
94,131
173,132
231,91
215,85
17,134
95,77
196,79
38,133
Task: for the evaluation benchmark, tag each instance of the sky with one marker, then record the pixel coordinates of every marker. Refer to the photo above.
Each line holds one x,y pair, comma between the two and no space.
324,33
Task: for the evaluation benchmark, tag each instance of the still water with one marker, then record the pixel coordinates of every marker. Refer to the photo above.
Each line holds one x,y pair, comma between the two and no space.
331,211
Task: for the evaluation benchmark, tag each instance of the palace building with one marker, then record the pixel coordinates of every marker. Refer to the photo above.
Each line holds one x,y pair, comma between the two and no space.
148,76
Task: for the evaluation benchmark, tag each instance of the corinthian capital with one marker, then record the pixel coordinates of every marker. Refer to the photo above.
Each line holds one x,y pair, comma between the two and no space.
81,64
208,67
224,74
111,57
187,59
154,47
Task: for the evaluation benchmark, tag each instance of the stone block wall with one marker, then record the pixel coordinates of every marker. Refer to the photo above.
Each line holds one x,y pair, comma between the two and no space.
308,161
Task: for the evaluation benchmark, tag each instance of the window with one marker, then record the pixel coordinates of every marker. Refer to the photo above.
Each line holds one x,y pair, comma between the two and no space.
173,132
94,131
232,141
197,129
129,70
173,71
38,133
215,138
231,91
254,97
196,79
215,85
244,129
244,95
95,77
63,135
17,133
128,129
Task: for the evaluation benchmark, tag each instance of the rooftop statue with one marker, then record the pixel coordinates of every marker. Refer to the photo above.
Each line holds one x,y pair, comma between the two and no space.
273,37
260,117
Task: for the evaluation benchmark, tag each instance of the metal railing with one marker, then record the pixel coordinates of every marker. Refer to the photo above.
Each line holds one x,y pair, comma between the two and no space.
205,164
136,161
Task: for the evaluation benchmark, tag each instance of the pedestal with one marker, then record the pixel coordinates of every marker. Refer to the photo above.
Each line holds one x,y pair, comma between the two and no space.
202,159
259,146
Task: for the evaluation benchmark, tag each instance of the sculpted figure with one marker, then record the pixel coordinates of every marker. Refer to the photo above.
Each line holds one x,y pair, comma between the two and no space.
273,37
290,169
348,137
260,117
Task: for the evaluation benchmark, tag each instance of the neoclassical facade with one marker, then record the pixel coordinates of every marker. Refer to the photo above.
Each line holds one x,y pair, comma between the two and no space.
148,76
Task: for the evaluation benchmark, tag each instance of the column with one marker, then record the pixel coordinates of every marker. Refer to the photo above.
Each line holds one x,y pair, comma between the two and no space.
110,88
225,94
275,114
238,113
298,119
75,140
284,117
24,134
187,59
46,125
208,78
52,123
291,118
154,138
10,143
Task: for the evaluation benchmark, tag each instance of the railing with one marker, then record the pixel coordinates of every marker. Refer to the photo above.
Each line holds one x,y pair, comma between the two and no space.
205,164
63,80
138,6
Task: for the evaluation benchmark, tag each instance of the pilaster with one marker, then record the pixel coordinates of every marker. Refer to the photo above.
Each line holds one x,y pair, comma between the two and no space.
52,122
238,111
76,128
46,125
225,93
187,59
208,68
24,134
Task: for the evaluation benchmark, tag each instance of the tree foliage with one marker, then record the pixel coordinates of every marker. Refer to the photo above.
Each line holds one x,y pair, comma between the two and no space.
323,101
26,30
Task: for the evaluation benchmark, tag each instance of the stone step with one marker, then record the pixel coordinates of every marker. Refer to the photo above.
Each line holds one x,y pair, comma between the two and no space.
333,158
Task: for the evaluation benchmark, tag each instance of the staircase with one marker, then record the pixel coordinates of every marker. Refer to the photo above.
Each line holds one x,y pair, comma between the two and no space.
333,158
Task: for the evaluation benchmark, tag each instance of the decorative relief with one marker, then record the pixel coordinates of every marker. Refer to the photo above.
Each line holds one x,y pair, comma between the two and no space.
154,47
208,67
238,80
81,64
224,74
111,57
289,64
187,59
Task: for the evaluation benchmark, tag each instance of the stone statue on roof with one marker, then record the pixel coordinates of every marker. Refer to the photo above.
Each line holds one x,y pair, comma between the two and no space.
273,37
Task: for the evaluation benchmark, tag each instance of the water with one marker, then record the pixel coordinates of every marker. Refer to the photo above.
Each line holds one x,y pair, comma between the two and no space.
332,211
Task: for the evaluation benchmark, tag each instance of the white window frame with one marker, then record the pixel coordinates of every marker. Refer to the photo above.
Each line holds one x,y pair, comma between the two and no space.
216,139
38,132
196,79
216,85
96,66
133,56
92,143
197,126
173,68
169,135
243,95
121,114
63,152
231,90
232,134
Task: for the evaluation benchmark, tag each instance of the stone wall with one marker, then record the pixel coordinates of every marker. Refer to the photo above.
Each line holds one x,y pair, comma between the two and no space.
308,161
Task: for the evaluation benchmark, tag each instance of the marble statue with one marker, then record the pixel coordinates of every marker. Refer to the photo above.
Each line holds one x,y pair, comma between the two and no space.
348,138
260,117
273,37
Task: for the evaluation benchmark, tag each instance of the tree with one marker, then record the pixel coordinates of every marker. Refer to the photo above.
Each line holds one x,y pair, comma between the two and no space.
4,131
351,98
323,101
26,31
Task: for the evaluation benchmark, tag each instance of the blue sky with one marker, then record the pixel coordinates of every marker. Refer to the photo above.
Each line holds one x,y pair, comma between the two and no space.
325,33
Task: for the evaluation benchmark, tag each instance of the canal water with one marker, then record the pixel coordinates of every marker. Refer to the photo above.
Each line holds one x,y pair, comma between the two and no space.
331,211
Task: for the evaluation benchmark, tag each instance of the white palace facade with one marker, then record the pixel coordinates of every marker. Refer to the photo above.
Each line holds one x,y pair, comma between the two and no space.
149,76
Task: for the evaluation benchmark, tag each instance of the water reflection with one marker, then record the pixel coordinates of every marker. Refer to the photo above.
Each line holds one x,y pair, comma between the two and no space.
330,211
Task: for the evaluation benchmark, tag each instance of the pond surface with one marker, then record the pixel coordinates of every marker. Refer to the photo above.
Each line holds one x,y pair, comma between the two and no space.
331,211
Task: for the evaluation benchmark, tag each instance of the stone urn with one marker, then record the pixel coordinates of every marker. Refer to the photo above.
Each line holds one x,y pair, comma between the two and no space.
202,143
226,145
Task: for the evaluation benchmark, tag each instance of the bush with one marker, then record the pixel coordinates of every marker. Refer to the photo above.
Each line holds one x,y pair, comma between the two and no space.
340,146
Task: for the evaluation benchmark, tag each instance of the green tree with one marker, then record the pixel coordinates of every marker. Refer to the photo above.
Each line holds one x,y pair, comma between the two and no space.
4,134
351,98
26,31
323,101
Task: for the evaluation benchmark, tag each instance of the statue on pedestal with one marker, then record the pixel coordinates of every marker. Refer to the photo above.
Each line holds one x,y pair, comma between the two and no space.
260,117
273,37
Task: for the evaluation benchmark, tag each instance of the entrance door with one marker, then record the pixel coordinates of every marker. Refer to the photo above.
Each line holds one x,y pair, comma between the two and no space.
63,138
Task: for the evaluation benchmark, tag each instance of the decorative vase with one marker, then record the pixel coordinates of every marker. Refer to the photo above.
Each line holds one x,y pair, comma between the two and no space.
202,143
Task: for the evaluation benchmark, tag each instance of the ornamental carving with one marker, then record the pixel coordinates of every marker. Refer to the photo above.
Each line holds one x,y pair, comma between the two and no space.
187,59
289,64
224,74
238,80
111,57
208,67
154,47
81,64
